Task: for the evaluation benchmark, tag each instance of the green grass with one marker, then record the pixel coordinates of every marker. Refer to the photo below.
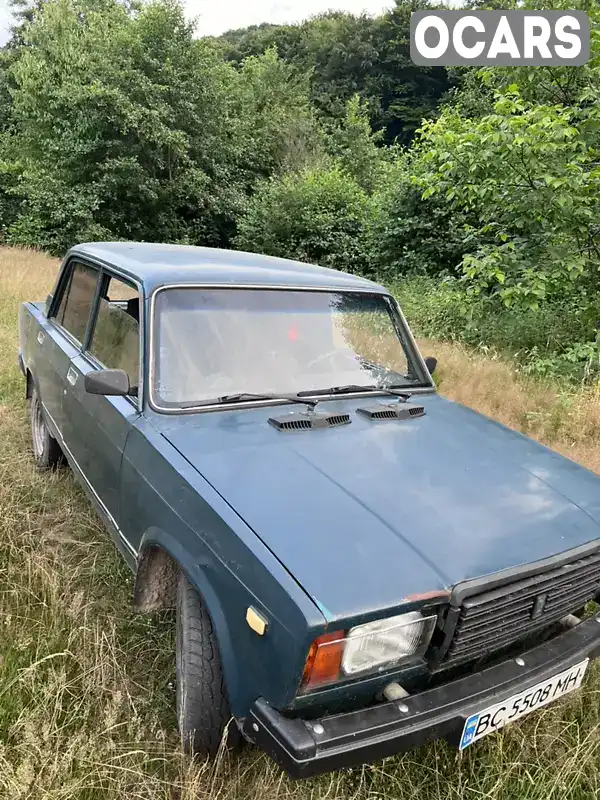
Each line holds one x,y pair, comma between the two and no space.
86,687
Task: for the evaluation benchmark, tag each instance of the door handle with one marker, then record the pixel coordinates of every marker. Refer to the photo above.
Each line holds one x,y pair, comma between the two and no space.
40,337
72,376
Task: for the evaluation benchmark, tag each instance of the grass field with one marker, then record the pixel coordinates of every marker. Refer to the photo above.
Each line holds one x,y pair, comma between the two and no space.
86,687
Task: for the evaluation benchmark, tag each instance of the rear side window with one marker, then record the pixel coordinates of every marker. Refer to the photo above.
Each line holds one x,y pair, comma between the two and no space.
115,341
77,300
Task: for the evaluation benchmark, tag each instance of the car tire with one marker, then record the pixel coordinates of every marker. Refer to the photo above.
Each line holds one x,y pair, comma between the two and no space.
203,712
46,450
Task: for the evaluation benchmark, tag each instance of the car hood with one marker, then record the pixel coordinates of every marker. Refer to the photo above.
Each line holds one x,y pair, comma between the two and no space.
367,515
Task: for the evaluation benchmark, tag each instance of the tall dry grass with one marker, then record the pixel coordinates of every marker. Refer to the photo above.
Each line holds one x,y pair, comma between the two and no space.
86,698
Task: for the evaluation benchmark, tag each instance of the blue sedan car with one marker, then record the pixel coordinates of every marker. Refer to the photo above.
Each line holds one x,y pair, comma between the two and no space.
357,564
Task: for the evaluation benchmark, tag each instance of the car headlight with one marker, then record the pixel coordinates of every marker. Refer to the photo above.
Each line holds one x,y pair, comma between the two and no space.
386,642
376,645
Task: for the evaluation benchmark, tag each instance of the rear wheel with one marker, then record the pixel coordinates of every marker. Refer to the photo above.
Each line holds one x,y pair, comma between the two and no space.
203,712
46,450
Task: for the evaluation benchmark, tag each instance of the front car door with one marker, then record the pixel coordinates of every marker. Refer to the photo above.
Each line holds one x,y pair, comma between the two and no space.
96,427
62,337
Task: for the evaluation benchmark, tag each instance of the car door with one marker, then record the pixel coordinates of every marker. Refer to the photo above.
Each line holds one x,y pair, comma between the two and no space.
97,426
62,337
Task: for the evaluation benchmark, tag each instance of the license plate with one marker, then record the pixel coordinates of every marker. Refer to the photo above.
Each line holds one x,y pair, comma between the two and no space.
495,717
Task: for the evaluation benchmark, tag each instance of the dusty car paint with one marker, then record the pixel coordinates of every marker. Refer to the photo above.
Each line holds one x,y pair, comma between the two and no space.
366,515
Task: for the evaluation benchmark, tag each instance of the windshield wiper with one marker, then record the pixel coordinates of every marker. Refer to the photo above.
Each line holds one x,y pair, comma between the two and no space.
355,388
309,397
241,397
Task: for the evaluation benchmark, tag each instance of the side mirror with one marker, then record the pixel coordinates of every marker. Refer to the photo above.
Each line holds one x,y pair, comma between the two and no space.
107,382
431,364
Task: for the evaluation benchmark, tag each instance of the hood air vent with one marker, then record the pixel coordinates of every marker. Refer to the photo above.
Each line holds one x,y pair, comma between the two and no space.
392,411
308,421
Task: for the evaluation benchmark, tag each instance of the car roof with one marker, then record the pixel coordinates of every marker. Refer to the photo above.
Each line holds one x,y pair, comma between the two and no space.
157,265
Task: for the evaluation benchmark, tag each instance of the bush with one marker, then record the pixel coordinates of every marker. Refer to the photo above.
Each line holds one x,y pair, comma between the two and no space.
434,309
558,341
412,235
317,215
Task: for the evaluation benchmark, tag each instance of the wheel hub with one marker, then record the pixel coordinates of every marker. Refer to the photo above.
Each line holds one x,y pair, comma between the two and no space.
38,427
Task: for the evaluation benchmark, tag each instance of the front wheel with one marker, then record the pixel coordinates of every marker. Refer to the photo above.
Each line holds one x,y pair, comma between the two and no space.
203,712
46,450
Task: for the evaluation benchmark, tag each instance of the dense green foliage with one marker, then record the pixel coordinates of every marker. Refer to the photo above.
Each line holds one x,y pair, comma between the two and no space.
408,234
317,215
344,55
527,174
117,123
474,191
124,126
520,174
558,340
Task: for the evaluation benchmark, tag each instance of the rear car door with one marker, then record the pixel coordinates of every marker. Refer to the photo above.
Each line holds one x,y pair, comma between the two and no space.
97,426
62,337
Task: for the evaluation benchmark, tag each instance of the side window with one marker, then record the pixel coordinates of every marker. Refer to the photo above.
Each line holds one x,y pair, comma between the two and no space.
76,302
116,338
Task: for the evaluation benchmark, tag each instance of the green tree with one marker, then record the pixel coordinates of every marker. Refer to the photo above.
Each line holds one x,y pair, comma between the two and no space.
406,93
276,128
354,145
334,49
23,12
560,85
529,175
125,126
345,55
105,134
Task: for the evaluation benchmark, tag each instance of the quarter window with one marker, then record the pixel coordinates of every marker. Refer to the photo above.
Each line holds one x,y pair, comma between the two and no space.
77,299
116,338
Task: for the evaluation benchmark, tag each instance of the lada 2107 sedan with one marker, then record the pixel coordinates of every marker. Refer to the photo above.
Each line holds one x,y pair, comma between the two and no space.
357,564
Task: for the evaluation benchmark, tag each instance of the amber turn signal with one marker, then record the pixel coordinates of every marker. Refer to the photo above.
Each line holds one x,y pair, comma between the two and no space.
324,660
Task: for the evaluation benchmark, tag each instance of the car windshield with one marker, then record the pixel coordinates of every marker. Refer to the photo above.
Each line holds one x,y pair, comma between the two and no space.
214,342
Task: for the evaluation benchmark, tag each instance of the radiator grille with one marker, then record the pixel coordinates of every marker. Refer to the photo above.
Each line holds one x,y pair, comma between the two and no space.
493,620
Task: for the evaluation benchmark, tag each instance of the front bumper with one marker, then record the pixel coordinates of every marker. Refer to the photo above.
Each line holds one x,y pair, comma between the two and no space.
344,740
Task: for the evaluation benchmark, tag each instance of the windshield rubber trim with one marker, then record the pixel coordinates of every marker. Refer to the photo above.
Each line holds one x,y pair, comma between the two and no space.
202,409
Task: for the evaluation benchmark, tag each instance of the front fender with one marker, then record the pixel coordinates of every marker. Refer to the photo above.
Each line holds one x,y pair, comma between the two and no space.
167,504
200,576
